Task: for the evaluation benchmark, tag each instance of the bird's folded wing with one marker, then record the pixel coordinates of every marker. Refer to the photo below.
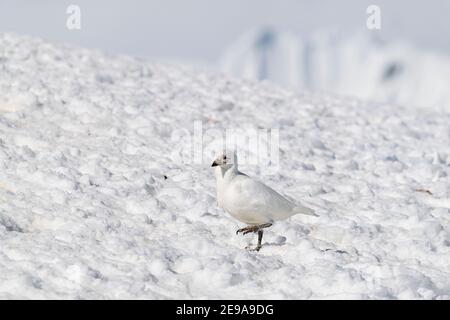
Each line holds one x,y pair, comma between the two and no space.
254,197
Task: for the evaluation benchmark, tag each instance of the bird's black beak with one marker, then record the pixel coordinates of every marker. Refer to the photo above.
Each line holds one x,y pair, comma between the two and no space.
214,164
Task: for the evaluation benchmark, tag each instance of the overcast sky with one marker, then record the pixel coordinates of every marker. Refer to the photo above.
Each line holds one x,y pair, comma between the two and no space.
199,30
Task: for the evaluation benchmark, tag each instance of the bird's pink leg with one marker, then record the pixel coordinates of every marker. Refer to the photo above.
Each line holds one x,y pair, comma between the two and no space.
259,229
253,228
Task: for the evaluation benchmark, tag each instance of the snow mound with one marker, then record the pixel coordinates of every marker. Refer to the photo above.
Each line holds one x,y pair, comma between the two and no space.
359,65
92,204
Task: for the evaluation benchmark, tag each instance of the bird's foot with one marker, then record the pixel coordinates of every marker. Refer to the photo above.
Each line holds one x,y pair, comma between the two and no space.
251,248
253,228
248,229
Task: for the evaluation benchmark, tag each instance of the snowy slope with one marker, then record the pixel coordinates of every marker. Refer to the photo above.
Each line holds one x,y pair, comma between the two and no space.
85,210
359,65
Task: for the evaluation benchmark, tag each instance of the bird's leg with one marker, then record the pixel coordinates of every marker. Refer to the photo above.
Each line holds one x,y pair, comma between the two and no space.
248,229
260,235
265,225
259,229
258,246
253,228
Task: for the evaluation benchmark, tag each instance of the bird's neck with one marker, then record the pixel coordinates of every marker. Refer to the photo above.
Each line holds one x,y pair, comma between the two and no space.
225,173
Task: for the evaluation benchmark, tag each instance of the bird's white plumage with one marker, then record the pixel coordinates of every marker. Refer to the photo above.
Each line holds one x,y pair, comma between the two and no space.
248,200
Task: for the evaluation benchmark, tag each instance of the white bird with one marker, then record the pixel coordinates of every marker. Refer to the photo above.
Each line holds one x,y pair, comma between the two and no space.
250,201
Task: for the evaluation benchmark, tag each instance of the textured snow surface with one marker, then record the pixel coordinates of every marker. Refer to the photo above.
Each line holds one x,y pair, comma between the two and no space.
85,210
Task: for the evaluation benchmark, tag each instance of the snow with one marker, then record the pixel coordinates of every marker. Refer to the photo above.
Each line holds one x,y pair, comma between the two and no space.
358,65
93,204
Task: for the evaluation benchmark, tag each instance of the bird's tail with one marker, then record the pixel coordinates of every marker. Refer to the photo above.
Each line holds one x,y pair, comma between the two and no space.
304,210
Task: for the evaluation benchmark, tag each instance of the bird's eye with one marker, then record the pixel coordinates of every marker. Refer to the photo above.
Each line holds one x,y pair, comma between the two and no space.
224,157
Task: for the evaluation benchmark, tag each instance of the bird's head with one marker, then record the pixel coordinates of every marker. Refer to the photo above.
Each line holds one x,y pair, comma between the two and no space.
225,159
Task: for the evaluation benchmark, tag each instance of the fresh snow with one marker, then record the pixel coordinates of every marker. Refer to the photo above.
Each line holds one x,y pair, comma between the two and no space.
86,141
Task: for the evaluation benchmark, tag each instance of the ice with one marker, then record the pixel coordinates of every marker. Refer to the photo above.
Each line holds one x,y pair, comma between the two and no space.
358,65
93,205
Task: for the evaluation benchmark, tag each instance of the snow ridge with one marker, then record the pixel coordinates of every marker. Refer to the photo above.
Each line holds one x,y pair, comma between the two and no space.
358,65
93,205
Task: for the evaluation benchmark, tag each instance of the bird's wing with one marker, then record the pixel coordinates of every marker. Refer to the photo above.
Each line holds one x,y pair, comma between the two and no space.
251,197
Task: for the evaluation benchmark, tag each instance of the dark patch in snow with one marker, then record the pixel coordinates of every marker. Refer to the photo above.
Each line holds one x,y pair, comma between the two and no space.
392,70
9,224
